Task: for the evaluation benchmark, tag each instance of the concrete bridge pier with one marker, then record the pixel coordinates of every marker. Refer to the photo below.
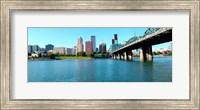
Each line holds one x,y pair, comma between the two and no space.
149,54
129,55
118,56
146,54
125,55
121,56
113,56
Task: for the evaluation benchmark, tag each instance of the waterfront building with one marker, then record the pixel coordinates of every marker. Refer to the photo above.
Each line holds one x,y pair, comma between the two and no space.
102,48
88,47
44,54
80,45
30,49
49,47
74,50
35,55
35,48
166,51
93,40
59,50
68,51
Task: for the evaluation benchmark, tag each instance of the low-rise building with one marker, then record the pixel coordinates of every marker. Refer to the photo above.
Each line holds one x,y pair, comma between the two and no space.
44,54
35,48
59,50
35,55
102,48
74,50
68,51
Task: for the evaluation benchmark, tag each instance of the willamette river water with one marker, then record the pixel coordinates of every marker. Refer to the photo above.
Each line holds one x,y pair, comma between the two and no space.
100,70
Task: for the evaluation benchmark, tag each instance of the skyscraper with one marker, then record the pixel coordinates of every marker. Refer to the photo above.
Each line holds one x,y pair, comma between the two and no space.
49,47
102,47
88,47
80,46
113,41
116,38
93,40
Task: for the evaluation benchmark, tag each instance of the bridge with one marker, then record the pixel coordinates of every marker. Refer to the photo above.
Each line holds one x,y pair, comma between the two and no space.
152,36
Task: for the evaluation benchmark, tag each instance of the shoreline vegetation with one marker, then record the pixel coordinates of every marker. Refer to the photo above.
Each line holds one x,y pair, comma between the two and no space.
80,55
73,57
68,57
60,58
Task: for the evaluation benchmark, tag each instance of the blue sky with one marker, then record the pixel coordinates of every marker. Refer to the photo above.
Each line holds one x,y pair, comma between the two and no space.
68,37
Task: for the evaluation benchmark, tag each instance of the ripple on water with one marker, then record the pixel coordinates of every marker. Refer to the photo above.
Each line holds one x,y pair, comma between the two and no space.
100,70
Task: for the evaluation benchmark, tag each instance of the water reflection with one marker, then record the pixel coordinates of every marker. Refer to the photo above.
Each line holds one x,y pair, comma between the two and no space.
100,70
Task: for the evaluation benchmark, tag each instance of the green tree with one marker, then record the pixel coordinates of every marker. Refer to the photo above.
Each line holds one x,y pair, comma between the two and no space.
158,53
92,54
52,56
169,53
81,54
154,53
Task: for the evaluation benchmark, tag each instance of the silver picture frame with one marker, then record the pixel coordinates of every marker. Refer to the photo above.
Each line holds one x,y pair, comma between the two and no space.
7,6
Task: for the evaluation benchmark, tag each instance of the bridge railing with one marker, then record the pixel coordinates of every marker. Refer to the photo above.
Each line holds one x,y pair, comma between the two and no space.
149,32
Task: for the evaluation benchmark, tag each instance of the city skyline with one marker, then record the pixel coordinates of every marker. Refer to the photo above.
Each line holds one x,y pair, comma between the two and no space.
67,37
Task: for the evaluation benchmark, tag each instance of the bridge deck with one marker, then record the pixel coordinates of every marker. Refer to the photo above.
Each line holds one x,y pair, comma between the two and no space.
161,36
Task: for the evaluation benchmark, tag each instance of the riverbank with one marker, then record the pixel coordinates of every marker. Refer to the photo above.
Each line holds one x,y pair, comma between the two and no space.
60,58
162,56
157,56
38,59
83,57
73,57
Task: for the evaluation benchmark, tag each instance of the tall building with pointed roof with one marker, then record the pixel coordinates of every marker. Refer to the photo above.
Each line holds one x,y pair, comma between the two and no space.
80,46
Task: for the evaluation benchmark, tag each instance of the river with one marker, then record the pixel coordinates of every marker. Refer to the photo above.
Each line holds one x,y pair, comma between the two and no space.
101,70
